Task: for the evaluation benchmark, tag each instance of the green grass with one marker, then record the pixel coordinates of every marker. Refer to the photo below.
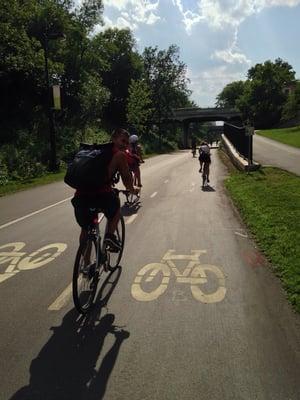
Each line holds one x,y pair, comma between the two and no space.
290,136
269,203
16,186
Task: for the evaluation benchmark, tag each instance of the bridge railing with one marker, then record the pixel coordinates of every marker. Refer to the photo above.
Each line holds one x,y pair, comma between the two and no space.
237,136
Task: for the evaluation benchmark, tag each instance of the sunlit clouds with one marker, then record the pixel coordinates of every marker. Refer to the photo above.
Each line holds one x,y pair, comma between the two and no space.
209,34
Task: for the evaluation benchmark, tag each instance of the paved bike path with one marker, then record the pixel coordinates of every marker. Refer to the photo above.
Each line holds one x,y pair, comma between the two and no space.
242,344
270,152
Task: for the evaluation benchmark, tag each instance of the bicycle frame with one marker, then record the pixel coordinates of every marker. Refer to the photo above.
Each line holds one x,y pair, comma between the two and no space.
94,234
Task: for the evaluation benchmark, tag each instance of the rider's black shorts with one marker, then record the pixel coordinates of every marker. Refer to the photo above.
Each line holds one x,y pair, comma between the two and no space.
204,157
106,202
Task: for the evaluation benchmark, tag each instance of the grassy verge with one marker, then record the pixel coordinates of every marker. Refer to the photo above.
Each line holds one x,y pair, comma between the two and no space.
16,186
290,136
269,202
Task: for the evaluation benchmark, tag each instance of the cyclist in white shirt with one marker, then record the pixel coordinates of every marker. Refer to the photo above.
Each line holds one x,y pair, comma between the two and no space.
204,158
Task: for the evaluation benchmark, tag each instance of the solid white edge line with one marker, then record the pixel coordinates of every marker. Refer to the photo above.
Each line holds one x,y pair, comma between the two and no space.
241,234
153,194
131,219
33,213
62,299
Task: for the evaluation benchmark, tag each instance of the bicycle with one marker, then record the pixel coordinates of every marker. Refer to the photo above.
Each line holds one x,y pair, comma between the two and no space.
205,174
94,258
131,198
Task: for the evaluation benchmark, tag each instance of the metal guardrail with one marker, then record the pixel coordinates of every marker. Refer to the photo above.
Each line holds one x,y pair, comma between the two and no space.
242,142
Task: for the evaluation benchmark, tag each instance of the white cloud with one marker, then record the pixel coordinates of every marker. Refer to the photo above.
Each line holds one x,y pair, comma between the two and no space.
232,55
190,18
120,22
134,12
207,84
221,13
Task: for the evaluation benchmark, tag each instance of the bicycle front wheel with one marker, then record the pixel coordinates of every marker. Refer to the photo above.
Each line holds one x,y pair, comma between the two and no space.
85,276
115,258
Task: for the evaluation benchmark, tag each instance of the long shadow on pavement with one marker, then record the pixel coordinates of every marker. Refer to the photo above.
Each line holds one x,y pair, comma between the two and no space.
207,188
65,368
128,210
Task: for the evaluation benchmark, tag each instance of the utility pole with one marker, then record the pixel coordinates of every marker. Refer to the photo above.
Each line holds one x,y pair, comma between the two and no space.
52,136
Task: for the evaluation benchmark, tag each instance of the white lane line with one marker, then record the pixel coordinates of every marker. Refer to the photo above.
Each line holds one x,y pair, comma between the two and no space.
241,234
62,299
33,213
153,194
167,180
131,219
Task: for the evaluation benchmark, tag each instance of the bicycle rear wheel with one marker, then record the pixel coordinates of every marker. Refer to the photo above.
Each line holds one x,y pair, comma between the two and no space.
115,258
85,276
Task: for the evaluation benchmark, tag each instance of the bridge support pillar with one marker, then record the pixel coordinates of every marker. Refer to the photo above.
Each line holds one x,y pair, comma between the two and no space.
185,134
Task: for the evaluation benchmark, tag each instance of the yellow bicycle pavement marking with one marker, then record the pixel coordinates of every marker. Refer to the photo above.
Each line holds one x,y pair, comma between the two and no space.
18,261
194,274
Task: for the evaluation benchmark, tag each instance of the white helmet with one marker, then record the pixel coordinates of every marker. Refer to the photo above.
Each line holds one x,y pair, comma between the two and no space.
133,139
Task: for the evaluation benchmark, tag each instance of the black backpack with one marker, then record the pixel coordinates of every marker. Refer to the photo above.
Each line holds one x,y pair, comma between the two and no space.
89,168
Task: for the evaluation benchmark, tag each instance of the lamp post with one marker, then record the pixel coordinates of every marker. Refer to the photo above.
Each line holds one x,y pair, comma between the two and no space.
52,137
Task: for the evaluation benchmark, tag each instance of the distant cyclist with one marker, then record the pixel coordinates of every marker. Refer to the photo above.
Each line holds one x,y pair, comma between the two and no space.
194,146
204,158
134,158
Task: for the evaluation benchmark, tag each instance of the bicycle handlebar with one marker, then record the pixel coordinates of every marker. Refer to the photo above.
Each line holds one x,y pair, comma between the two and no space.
125,192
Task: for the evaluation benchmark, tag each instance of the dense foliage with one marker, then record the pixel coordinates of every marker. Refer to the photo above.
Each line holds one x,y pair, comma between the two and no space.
264,97
104,82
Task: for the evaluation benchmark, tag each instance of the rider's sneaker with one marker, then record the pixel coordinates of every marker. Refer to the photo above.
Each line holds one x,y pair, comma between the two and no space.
112,243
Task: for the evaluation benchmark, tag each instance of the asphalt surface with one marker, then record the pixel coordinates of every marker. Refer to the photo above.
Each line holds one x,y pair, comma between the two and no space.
270,152
215,324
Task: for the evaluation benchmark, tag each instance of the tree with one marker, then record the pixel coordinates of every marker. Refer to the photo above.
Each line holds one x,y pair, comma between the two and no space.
291,107
139,106
165,74
230,94
263,96
121,64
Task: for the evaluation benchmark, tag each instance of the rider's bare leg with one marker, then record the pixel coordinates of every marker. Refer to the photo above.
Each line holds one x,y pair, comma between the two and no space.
87,250
112,223
201,163
137,174
83,235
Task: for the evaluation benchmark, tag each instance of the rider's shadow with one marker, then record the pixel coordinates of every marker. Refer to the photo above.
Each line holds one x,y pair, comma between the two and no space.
207,188
128,210
65,368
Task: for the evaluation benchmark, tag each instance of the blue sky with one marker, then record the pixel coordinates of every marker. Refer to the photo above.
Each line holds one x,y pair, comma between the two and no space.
219,40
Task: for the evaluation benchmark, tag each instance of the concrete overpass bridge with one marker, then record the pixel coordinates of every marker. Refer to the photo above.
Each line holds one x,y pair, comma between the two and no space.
186,116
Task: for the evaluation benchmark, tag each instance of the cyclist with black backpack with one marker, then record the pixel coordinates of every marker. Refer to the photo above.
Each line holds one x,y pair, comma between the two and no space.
91,173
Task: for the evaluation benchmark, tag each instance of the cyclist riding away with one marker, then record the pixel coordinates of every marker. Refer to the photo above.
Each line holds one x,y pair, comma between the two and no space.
104,197
204,158
134,159
194,146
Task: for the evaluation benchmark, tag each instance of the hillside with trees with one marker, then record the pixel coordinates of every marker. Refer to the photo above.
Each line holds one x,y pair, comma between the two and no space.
269,95
104,82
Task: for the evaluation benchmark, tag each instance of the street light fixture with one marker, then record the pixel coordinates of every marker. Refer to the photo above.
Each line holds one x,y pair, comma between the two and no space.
52,137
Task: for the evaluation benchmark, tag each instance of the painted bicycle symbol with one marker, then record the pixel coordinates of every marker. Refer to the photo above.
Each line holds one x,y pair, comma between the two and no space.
18,261
194,274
